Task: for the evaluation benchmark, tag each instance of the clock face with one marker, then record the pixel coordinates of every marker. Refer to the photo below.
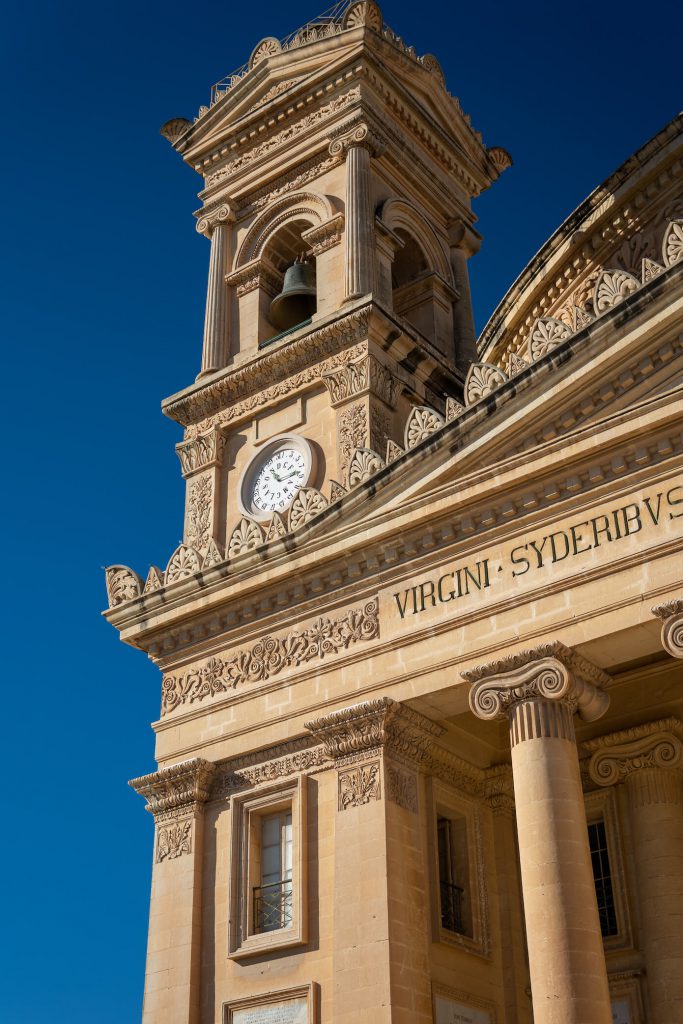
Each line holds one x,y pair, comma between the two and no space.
278,480
273,478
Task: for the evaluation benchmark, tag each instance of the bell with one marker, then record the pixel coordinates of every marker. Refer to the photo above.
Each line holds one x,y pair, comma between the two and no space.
297,300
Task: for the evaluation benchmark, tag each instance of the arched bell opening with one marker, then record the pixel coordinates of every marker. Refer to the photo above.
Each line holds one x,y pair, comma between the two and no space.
290,256
420,294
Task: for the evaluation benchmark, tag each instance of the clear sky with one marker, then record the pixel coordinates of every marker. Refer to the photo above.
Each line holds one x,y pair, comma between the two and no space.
103,291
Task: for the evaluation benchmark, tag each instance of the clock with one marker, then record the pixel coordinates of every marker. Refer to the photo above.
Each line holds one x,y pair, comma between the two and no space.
275,475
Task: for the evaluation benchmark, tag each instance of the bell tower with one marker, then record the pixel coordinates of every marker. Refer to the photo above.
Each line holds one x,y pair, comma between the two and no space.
338,178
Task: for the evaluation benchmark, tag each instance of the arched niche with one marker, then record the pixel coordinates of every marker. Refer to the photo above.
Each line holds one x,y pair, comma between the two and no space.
417,273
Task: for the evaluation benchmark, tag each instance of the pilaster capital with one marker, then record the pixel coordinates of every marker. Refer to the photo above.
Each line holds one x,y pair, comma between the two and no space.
201,452
258,273
374,724
551,672
655,745
499,790
671,615
361,376
178,790
209,220
462,235
362,136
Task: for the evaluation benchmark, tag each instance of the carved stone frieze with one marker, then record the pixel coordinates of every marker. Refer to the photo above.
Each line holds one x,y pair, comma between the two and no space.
400,787
290,182
359,786
352,431
179,790
270,656
201,452
249,388
174,840
259,273
671,615
122,584
198,518
285,136
358,376
551,672
236,775
324,236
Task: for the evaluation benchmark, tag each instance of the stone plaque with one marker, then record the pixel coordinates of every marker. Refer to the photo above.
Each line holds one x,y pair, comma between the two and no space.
621,1011
449,1011
282,1011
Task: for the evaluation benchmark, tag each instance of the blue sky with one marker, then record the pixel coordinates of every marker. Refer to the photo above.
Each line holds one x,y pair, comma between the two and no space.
102,296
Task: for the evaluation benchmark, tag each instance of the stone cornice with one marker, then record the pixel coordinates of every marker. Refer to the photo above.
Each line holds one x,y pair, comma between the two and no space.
671,615
293,356
184,786
550,672
653,745
385,724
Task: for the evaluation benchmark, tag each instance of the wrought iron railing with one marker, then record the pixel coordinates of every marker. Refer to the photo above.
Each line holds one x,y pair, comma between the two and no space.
451,907
272,906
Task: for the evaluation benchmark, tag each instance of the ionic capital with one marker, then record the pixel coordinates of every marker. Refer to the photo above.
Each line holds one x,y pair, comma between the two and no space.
178,790
551,672
223,214
655,745
671,615
362,136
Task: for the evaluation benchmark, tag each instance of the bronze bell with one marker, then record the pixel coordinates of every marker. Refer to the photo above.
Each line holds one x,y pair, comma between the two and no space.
297,300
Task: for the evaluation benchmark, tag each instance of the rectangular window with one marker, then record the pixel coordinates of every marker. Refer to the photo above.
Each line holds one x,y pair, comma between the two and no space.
268,869
273,895
458,906
602,875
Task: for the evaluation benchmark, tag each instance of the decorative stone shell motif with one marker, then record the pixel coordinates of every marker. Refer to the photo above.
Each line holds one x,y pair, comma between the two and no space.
672,246
421,423
184,562
364,463
307,504
546,334
122,584
482,379
268,47
364,15
246,536
612,287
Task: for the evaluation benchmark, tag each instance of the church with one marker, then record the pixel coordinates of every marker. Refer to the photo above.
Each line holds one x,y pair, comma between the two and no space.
420,740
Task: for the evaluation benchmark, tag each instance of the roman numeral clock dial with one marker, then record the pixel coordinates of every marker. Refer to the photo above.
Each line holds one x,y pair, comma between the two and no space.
274,476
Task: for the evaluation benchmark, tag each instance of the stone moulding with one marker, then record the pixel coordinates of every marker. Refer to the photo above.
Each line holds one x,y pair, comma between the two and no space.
236,776
270,656
180,787
293,357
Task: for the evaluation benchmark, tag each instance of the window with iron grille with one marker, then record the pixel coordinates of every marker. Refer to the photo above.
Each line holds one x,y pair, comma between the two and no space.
273,896
452,850
602,877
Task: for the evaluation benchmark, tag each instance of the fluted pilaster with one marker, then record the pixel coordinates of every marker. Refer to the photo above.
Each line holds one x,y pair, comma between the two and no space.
358,146
216,345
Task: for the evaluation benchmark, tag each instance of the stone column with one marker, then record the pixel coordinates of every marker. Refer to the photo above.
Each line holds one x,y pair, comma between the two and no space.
216,349
381,970
175,796
464,243
671,615
538,692
649,760
358,146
